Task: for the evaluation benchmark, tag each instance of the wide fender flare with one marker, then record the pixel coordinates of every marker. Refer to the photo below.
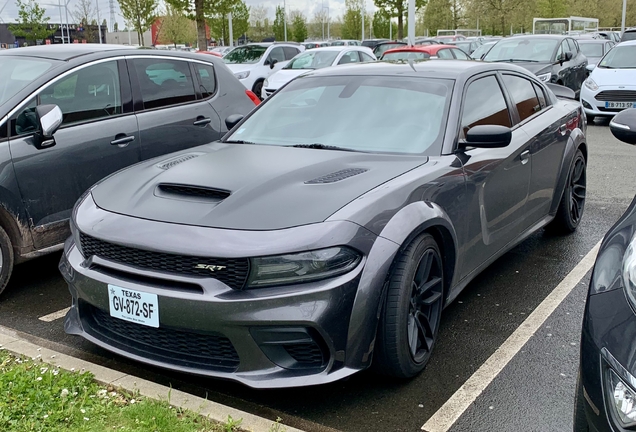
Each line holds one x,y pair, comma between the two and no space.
401,229
576,140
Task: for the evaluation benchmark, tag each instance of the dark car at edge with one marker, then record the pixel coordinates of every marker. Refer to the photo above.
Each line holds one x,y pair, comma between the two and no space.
299,250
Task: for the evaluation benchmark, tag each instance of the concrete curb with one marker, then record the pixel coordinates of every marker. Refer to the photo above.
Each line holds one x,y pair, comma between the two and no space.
10,341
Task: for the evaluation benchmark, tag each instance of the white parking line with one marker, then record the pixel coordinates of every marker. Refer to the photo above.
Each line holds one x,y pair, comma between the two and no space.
448,414
54,316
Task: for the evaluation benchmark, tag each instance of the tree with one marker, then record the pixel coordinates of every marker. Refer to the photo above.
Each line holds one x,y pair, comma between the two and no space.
438,16
299,26
219,21
398,8
115,27
175,27
259,23
84,14
31,23
279,24
551,8
317,28
352,20
140,13
381,25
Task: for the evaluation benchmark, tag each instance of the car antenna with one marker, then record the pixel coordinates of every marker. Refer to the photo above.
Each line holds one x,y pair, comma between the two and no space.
412,65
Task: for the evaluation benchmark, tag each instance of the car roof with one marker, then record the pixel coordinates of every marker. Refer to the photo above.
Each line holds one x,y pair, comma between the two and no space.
592,41
338,48
429,49
627,43
539,36
452,69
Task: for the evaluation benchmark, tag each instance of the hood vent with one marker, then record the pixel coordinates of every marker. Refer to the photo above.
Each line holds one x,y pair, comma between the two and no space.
186,191
169,163
337,176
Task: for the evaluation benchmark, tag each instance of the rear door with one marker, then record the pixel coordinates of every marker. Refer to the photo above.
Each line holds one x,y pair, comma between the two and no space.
171,106
98,136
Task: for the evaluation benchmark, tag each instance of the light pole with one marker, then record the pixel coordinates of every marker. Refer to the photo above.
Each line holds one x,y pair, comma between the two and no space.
231,32
411,22
285,18
99,24
623,19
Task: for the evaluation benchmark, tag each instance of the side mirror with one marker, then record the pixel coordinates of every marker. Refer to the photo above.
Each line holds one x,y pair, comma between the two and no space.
590,67
233,120
273,63
568,56
623,126
50,119
488,136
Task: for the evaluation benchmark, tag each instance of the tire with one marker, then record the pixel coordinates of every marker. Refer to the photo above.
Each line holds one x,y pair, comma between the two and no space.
6,259
258,89
411,315
580,420
572,203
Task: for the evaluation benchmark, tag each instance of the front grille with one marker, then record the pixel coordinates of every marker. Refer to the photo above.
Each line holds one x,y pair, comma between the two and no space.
307,354
614,110
617,96
231,271
179,347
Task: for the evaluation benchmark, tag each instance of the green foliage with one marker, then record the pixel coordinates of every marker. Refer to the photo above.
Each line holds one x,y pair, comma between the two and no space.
259,23
279,24
31,23
140,13
381,25
399,9
175,28
352,20
219,21
551,8
299,26
438,16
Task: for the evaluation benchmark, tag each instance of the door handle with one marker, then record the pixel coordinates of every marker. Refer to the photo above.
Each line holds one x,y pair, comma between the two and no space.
563,129
202,121
525,157
122,140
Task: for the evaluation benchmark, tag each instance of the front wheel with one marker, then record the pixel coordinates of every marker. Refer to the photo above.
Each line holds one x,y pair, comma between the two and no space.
6,259
572,203
258,89
412,312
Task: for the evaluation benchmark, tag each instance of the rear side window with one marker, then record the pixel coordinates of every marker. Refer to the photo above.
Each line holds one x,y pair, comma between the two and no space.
207,79
277,54
164,82
349,57
540,95
523,95
461,55
290,52
445,54
484,104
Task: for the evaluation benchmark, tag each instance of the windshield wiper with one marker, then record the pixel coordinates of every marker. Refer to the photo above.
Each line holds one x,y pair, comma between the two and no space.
321,147
516,60
238,142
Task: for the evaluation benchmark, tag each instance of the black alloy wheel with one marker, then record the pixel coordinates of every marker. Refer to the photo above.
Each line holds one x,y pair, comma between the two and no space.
411,315
572,203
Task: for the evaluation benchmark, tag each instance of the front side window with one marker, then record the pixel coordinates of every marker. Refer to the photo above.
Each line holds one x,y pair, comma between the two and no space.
484,104
276,55
290,52
366,57
164,82
523,96
349,57
408,116
533,49
18,72
25,122
313,60
90,93
461,55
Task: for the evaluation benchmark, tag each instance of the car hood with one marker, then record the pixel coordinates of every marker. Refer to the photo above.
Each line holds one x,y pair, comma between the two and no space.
613,77
249,187
283,76
236,68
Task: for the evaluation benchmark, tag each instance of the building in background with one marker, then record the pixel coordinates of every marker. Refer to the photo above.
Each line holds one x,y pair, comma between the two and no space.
77,33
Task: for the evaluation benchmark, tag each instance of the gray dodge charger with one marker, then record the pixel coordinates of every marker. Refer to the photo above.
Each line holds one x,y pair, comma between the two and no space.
329,228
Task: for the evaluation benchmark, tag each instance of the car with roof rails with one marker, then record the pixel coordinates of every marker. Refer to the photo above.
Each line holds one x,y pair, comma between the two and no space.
73,114
329,229
554,59
253,63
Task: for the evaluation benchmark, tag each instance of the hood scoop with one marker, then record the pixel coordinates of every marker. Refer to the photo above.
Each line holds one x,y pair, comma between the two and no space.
337,176
198,193
169,163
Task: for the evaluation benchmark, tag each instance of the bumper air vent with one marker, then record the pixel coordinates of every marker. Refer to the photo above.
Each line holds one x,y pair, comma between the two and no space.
337,176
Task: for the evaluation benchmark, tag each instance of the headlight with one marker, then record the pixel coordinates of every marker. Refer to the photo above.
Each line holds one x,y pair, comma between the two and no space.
302,267
545,77
629,272
266,83
622,399
242,75
589,83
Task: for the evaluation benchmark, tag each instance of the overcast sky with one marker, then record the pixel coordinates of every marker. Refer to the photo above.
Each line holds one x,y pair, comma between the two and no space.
308,7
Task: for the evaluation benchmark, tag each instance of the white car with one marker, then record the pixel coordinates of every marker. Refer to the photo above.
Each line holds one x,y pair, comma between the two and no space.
611,86
346,42
316,58
253,63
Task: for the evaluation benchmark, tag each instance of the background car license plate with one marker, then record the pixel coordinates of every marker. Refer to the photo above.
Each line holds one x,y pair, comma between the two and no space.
620,105
135,306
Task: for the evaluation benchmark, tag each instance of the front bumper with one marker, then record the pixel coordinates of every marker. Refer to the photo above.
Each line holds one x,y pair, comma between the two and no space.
607,341
290,336
594,102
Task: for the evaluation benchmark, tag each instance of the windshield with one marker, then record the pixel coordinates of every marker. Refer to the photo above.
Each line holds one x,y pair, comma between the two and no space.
482,50
245,54
628,35
528,49
381,49
393,114
591,49
406,55
18,72
313,60
464,46
620,57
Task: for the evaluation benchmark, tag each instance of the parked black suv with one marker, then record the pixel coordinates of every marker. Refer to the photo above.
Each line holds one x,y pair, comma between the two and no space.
71,115
552,58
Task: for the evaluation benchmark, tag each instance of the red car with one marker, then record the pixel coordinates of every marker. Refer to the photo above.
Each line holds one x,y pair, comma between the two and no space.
424,52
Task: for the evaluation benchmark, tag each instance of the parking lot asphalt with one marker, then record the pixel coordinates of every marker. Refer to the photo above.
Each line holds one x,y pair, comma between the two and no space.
533,392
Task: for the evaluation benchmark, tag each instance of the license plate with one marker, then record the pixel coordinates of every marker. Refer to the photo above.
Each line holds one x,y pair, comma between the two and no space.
134,306
620,105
